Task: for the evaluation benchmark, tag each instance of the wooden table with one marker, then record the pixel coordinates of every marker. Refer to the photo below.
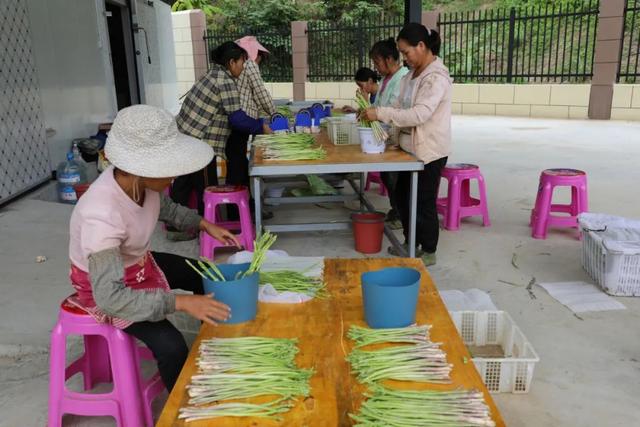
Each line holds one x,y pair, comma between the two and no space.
340,159
320,326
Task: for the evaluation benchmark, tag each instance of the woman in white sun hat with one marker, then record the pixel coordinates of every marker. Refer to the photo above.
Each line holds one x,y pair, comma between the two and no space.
117,278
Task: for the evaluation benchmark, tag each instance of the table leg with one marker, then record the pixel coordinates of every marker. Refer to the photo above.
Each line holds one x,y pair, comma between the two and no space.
413,214
363,176
258,204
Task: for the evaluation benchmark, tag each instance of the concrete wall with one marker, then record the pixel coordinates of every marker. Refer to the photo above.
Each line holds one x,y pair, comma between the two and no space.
190,55
71,50
160,76
562,101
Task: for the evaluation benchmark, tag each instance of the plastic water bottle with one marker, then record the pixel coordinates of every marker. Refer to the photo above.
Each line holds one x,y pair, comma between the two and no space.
70,173
76,152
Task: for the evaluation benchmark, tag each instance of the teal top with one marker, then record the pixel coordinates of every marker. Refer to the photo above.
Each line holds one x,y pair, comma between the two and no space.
388,96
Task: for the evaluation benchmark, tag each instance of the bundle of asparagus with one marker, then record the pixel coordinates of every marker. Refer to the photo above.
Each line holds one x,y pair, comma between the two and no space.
290,146
378,132
241,368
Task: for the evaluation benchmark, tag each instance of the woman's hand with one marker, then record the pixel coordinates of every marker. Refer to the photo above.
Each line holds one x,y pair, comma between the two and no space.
203,307
370,114
219,233
266,129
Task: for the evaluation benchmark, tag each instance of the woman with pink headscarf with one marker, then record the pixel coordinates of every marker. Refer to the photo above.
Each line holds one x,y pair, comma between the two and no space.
256,101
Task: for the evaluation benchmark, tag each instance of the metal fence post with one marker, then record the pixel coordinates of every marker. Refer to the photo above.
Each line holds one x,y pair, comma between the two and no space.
361,47
609,35
511,46
300,58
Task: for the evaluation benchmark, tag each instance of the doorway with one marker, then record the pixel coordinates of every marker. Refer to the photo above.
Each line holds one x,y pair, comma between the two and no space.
121,52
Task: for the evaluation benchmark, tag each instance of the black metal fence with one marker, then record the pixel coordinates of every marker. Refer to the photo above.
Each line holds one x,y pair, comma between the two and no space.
552,43
336,50
628,72
539,44
278,67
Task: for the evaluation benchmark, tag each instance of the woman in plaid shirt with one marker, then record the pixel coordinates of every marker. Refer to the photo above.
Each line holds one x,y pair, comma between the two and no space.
210,111
256,101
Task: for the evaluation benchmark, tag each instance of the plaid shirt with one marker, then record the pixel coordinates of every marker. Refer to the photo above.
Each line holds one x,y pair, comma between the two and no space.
254,97
206,108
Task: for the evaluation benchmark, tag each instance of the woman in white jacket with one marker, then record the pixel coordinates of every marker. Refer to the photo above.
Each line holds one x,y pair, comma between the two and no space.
422,119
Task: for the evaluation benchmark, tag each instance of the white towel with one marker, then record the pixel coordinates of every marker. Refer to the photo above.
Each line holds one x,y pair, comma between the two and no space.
581,296
280,260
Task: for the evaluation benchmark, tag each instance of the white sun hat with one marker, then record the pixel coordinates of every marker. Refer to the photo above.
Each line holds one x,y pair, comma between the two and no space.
145,141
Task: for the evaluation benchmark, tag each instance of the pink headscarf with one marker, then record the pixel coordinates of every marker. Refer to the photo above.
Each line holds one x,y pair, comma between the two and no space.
252,46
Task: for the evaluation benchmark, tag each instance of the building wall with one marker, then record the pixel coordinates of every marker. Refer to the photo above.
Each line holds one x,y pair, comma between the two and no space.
24,156
71,52
562,101
190,56
159,77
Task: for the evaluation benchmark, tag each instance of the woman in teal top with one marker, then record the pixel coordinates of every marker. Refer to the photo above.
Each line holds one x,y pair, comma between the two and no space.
386,59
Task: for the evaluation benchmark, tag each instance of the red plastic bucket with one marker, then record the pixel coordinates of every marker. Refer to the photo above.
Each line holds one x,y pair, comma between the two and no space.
367,231
80,189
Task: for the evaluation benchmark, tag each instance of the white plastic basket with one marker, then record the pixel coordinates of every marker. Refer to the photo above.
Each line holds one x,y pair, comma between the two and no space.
511,373
342,131
615,267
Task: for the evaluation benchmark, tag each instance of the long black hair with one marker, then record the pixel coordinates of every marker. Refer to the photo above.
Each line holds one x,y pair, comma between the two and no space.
385,49
227,51
415,33
364,74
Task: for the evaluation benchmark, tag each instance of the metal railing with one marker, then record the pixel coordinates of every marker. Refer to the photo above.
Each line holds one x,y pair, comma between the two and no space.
337,50
540,44
628,71
278,67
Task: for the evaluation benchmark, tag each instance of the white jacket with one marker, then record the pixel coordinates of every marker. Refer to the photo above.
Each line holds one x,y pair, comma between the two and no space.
430,114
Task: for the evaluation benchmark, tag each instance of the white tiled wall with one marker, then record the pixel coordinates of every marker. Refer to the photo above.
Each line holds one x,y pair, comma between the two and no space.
24,157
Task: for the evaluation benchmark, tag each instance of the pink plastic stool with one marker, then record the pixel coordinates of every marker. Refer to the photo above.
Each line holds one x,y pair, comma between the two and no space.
541,218
459,204
214,196
376,178
110,355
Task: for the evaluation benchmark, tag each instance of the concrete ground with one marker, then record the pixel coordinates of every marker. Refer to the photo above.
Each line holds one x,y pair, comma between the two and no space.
589,367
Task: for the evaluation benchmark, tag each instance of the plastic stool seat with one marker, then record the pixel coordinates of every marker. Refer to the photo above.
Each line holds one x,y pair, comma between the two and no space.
541,215
375,177
110,355
458,203
227,194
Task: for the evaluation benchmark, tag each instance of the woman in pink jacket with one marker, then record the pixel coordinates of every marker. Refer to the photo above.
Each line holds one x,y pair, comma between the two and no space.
422,126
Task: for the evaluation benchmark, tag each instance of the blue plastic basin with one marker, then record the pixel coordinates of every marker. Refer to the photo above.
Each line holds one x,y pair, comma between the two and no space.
390,297
240,295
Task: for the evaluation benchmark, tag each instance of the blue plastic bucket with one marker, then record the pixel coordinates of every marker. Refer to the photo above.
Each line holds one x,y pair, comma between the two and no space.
240,295
390,297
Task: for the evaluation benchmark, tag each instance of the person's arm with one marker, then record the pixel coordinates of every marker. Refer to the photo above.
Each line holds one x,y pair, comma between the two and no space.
178,216
238,119
430,94
261,95
106,271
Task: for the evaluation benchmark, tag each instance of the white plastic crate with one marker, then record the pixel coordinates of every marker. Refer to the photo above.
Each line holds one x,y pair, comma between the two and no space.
512,371
614,265
342,131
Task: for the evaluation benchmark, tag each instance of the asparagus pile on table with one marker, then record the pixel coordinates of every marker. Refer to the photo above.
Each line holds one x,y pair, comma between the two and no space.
418,359
414,358
289,146
385,407
294,281
241,368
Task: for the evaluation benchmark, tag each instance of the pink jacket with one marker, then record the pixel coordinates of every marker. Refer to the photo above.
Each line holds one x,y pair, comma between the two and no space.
430,116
